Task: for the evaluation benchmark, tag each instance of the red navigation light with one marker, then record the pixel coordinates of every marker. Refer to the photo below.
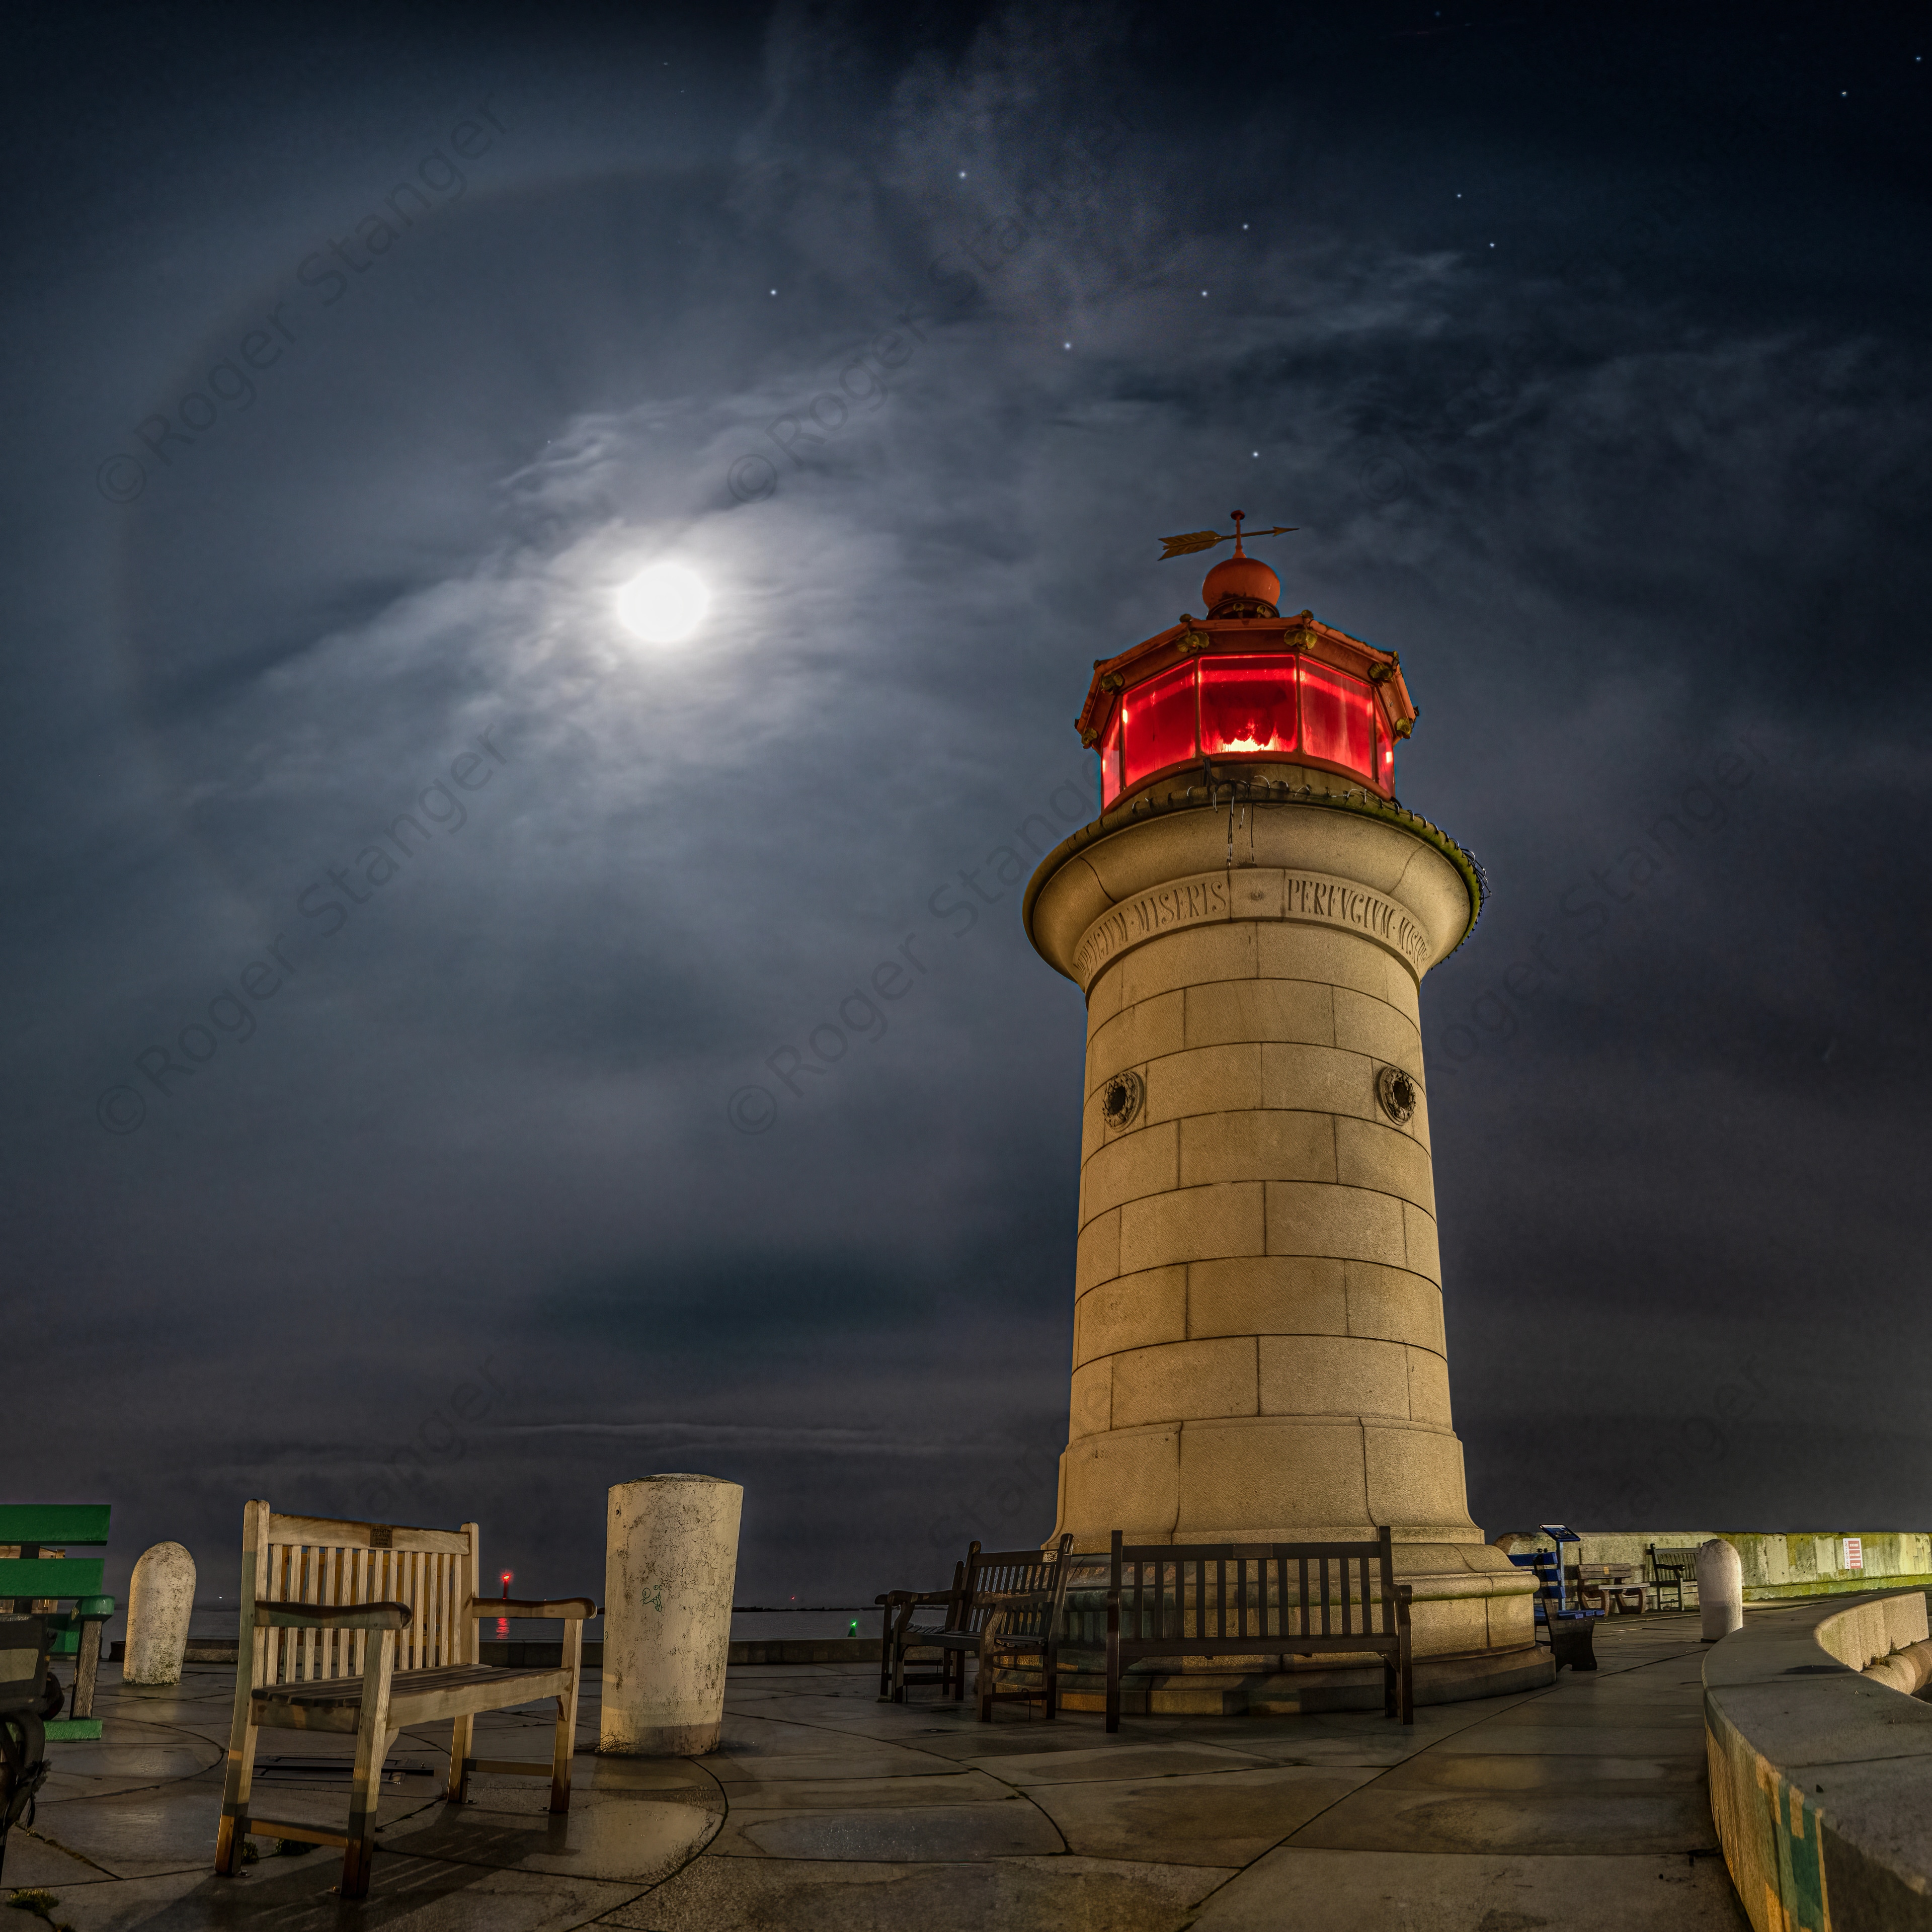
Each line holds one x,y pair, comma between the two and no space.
1337,722
1224,694
1158,724
1110,761
1247,705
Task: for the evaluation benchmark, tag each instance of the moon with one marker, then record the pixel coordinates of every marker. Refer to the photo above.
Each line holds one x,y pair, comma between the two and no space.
663,604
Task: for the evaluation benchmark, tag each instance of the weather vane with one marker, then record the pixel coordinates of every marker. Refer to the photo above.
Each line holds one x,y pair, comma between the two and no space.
1207,539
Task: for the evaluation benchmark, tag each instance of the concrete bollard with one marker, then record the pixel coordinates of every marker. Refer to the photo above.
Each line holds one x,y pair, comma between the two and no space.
671,1562
160,1598
1720,1588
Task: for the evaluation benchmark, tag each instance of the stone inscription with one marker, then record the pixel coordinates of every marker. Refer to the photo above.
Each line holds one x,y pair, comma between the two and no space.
1193,902
1204,901
1340,904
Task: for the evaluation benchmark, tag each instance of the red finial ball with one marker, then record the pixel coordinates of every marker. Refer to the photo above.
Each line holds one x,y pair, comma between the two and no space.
1246,579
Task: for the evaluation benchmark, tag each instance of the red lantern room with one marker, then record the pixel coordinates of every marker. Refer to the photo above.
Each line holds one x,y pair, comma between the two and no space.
1241,687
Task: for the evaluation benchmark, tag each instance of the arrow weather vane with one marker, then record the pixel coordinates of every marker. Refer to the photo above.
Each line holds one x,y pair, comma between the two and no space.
1194,540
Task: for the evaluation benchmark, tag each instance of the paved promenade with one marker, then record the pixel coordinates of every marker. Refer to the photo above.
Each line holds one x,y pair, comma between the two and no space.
1579,1807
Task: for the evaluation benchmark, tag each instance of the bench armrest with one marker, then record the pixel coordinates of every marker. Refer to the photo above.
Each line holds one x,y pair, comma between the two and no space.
571,1609
896,1597
273,1615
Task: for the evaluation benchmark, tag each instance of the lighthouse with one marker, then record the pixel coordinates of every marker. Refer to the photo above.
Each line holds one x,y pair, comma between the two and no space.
1259,1350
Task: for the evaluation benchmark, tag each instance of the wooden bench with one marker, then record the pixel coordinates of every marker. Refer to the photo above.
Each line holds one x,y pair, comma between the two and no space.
24,1702
898,1634
365,1629
36,1580
1232,1599
1671,1570
1014,1600
975,1626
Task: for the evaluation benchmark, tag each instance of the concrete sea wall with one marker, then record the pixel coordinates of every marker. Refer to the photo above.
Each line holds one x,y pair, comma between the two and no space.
1821,1774
1777,1564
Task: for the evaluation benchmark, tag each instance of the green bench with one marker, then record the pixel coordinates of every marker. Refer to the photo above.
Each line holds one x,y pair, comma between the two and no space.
29,1581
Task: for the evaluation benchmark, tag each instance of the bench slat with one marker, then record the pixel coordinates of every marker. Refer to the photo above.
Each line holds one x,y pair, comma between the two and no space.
57,1577
54,1522
403,1684
311,1834
340,1534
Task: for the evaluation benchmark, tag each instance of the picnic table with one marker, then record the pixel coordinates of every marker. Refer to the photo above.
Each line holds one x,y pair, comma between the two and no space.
1613,1585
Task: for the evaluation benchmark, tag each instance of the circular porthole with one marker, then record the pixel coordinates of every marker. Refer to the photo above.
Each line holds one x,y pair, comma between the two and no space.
1120,1099
1398,1094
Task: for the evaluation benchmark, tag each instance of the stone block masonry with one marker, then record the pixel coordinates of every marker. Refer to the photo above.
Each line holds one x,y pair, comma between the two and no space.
1258,1349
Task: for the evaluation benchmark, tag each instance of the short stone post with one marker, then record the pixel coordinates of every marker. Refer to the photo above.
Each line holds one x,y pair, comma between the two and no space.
670,1562
1720,1588
160,1598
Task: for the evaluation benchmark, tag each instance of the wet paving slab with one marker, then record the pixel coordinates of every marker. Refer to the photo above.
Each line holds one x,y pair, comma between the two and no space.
1582,1805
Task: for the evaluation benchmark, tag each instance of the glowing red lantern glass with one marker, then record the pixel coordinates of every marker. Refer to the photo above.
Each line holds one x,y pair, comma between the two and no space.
1337,718
1186,710
1247,705
1157,723
1110,761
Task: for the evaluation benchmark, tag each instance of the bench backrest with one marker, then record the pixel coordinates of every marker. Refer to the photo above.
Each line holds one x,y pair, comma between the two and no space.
28,1577
1670,1565
23,1664
83,1523
1174,1599
993,1571
310,1559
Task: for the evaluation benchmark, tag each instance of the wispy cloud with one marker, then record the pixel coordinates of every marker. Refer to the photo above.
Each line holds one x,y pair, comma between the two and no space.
748,1436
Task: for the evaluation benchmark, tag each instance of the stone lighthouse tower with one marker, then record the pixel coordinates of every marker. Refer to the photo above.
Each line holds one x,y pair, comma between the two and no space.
1259,1351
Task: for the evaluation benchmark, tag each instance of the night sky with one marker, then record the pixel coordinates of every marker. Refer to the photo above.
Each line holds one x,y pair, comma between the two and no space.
686,1095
